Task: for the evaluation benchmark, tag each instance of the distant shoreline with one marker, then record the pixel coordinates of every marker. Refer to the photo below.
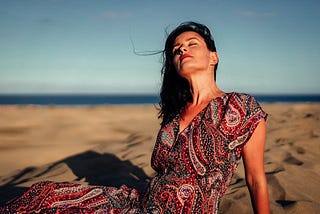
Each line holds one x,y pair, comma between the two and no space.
122,99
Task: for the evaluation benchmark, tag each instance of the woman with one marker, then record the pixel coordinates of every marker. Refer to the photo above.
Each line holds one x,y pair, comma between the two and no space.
204,132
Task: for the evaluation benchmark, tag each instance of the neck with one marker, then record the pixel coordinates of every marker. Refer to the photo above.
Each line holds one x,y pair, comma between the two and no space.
203,89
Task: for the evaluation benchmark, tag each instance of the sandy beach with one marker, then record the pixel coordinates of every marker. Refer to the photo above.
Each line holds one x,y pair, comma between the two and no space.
112,145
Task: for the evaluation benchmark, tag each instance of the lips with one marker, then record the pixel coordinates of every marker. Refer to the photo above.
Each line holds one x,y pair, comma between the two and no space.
182,57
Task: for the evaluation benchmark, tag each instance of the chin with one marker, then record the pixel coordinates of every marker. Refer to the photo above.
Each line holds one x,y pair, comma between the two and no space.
185,72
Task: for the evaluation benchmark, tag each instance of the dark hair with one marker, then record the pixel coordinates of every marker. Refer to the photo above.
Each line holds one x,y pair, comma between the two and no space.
175,90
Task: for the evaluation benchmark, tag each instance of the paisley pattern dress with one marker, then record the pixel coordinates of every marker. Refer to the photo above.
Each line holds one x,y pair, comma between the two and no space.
194,168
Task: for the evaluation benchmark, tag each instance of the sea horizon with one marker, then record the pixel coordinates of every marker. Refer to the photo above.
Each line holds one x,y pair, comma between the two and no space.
128,99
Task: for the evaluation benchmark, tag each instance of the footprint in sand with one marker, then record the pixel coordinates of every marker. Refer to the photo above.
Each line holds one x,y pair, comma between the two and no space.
276,190
286,203
283,141
314,134
292,160
300,150
273,168
308,115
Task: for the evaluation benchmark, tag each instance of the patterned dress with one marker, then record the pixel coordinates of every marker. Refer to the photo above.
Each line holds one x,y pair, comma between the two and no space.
194,167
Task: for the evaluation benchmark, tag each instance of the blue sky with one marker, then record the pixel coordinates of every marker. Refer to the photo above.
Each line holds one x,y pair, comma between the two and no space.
78,46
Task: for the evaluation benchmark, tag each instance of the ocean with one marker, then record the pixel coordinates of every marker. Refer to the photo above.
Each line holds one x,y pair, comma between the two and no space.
94,99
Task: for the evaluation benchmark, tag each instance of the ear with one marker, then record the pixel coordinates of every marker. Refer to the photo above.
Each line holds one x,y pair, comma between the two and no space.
214,59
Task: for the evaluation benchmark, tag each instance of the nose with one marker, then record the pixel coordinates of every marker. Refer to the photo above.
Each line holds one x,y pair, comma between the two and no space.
182,49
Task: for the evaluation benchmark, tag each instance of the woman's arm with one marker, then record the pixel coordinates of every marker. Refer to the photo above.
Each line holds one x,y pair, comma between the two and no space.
253,158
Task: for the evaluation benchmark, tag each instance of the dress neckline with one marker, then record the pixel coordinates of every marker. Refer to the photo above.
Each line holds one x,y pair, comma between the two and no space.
200,113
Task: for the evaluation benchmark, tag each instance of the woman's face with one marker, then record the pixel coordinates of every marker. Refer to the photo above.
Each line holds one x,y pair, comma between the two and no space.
190,54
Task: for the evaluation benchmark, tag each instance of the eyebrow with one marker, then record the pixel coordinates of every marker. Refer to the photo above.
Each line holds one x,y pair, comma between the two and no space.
191,38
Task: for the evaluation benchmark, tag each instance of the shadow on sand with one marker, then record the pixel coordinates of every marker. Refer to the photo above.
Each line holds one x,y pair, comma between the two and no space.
91,167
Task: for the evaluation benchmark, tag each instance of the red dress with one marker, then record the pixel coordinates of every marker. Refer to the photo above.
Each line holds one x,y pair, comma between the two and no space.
194,168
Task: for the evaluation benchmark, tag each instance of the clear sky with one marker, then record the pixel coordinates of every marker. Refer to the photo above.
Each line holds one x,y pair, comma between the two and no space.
84,46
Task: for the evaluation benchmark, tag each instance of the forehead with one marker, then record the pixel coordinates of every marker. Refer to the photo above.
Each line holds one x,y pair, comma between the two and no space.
188,35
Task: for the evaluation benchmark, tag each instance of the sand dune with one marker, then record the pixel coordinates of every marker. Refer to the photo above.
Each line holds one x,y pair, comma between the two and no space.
112,145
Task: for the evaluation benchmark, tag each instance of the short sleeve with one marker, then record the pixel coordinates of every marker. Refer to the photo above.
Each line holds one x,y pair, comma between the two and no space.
252,115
